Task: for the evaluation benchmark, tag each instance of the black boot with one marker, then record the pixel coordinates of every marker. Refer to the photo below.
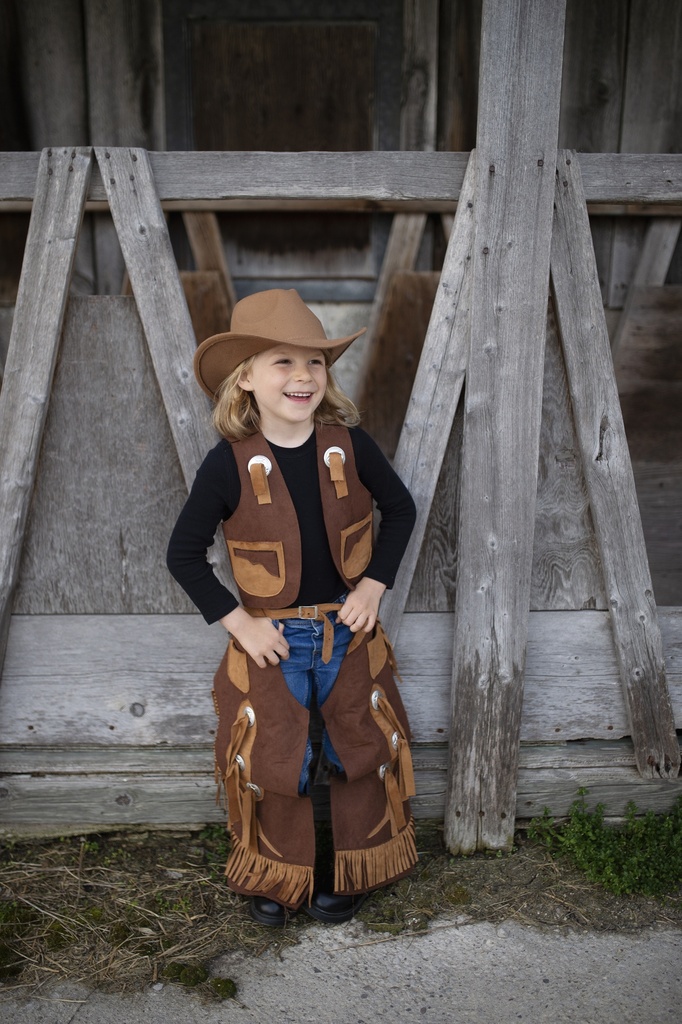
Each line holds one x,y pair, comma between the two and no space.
331,908
268,912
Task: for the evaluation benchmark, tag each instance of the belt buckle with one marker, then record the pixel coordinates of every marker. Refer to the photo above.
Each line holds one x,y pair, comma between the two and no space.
308,611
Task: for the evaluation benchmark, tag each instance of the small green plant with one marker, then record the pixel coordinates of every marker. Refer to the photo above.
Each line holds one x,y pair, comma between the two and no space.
188,975
224,988
643,855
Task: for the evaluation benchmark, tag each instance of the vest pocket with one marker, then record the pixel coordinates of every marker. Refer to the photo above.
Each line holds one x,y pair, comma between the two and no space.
258,566
356,547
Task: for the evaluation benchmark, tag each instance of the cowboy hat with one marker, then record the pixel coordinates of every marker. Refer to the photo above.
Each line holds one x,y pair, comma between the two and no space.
259,322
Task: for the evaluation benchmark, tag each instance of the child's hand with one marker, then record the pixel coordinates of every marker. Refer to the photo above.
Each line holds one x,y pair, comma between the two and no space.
259,638
361,608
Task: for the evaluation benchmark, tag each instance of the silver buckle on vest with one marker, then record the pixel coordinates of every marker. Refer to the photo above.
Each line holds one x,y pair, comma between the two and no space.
308,611
260,460
334,450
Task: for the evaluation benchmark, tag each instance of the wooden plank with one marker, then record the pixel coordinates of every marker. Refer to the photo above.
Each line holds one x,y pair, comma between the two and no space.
652,114
54,72
417,132
155,280
402,248
652,268
608,475
460,44
433,586
41,301
434,398
245,97
206,244
154,276
53,93
118,682
6,317
619,183
206,301
566,568
420,75
648,367
125,100
125,73
108,487
399,340
515,166
593,76
109,799
652,109
592,95
158,760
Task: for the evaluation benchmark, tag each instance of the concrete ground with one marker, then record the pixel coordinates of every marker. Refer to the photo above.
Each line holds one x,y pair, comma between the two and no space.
457,972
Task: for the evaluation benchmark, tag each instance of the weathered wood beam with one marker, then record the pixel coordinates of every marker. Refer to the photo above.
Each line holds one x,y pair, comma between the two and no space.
621,182
203,232
148,677
417,132
61,187
518,120
155,279
609,479
125,100
436,391
652,268
401,252
52,803
420,75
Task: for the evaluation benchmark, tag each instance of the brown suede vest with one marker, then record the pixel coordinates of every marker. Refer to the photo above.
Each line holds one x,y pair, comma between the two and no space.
263,537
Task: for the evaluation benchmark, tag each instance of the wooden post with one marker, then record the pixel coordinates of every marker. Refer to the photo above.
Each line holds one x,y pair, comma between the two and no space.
401,252
61,188
203,232
436,391
652,267
155,280
609,479
521,57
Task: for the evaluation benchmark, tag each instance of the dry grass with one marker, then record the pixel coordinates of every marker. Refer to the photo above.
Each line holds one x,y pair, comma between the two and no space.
123,910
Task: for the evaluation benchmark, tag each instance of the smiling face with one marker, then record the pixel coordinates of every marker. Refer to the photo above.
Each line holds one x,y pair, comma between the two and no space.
288,383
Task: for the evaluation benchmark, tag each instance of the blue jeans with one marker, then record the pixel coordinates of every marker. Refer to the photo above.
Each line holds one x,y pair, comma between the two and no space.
305,673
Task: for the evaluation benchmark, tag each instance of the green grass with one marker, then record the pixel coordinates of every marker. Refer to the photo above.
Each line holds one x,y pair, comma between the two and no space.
643,855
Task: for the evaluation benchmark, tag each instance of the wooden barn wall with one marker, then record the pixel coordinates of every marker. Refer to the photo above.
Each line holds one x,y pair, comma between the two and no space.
120,74
91,71
109,482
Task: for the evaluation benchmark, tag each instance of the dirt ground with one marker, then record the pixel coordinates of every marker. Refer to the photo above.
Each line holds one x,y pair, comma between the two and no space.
122,910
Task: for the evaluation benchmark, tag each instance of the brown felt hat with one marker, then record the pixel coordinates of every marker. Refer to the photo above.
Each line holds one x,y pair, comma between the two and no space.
261,321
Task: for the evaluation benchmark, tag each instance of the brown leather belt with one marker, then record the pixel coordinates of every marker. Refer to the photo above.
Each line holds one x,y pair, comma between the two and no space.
318,612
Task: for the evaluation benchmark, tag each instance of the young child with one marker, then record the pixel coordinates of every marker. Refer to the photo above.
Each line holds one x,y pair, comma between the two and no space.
292,483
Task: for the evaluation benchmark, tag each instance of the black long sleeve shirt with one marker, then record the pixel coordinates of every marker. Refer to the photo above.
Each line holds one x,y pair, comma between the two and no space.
215,495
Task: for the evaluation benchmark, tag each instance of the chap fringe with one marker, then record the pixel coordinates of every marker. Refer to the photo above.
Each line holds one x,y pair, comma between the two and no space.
361,870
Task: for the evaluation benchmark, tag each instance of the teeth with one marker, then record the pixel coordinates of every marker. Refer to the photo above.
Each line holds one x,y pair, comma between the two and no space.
298,394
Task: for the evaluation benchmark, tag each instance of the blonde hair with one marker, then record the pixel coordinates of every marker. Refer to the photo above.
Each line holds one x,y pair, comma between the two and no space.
236,413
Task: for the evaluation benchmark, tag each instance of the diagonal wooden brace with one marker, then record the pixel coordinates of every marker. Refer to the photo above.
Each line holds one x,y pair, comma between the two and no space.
609,479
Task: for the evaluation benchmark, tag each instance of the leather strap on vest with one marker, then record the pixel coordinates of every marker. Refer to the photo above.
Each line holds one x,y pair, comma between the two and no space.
338,473
259,482
306,611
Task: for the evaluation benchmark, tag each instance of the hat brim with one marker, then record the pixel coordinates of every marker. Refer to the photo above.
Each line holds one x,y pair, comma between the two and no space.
219,355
